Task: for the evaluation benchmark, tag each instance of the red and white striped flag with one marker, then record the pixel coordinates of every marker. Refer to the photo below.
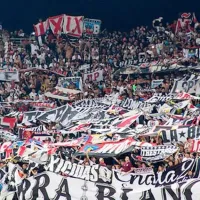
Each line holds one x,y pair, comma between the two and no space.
56,24
41,28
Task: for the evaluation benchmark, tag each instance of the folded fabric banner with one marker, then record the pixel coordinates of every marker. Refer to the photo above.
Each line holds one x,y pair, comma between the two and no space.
130,104
110,149
159,98
188,86
180,134
101,183
157,153
57,187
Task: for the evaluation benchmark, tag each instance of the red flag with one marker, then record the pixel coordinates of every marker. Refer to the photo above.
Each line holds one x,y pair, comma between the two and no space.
22,149
51,151
8,152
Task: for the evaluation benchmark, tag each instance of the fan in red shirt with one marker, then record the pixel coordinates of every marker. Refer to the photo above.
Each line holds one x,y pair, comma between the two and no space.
127,167
101,162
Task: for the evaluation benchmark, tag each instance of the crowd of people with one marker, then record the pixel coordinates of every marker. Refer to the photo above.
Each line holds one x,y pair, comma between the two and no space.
107,52
41,65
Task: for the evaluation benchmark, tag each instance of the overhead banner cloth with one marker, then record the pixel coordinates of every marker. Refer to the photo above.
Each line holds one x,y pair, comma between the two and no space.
157,153
188,86
180,134
91,27
109,149
9,76
98,182
94,76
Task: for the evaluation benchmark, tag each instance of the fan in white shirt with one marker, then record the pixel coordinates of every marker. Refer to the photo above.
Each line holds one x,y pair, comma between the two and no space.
33,94
34,48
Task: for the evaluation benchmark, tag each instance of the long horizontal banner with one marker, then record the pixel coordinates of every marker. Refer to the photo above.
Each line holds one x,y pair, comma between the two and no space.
58,187
71,25
188,86
97,182
110,149
180,134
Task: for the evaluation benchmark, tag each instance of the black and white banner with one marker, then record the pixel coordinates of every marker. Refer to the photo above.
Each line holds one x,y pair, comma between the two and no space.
177,134
63,115
157,153
31,116
95,173
49,185
160,98
91,26
188,86
130,104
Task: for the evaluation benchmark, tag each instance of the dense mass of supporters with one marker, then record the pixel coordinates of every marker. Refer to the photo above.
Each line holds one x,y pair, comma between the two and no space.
65,56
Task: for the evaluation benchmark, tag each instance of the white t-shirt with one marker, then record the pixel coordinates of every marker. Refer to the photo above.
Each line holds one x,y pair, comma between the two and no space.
32,95
34,49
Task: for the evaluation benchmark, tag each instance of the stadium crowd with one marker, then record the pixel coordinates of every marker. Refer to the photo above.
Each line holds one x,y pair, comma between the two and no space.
61,55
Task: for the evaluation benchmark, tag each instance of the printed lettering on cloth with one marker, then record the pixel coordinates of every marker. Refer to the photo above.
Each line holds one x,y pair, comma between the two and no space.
65,82
157,153
90,103
73,25
130,104
184,21
36,129
96,173
60,114
9,76
141,182
42,105
188,86
178,134
30,117
159,97
44,186
91,26
94,76
183,95
156,83
147,170
56,24
41,28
